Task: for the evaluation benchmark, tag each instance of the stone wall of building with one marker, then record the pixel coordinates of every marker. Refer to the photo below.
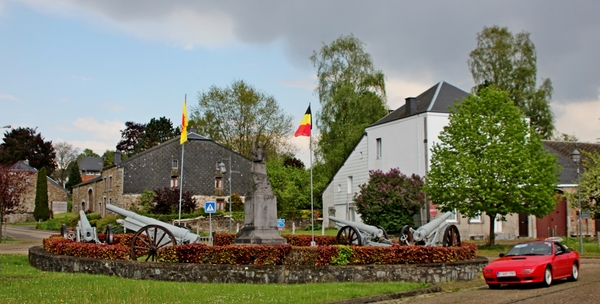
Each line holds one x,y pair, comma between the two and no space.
250,274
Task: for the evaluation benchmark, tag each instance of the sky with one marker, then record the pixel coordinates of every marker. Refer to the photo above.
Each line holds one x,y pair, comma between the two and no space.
77,70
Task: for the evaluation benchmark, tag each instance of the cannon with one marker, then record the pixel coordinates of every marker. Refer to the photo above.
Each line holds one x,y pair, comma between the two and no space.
84,232
353,233
151,235
435,233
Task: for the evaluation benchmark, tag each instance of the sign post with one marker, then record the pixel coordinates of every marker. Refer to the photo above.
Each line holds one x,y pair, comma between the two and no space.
210,208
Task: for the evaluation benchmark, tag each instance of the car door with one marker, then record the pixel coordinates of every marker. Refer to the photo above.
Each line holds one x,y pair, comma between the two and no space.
561,261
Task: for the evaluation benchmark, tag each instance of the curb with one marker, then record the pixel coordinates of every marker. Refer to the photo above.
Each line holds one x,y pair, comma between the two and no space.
393,296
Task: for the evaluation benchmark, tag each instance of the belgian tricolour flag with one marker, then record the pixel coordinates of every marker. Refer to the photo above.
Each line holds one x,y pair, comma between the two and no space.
305,125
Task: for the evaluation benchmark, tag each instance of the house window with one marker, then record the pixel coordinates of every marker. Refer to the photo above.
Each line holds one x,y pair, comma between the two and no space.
339,187
453,218
174,164
105,188
349,184
174,182
379,152
219,182
110,182
475,219
498,224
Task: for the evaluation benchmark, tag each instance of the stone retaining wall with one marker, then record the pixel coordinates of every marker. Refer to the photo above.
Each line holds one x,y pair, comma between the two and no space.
429,273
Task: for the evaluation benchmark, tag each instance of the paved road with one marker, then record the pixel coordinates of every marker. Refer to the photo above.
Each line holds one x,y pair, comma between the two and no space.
28,235
585,290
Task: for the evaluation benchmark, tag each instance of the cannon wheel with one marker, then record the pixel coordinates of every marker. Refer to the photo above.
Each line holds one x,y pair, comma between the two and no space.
109,235
349,235
451,236
406,236
148,240
385,235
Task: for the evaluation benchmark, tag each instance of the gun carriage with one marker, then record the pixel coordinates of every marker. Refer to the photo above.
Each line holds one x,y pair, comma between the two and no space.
353,233
151,235
435,233
84,232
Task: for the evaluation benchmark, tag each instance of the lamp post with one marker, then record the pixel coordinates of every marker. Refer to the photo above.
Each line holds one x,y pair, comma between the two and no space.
221,167
576,156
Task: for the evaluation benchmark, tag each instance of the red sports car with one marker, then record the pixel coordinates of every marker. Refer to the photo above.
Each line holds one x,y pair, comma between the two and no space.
533,262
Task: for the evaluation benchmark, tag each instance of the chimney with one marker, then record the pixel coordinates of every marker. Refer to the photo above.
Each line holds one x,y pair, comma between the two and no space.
411,106
117,158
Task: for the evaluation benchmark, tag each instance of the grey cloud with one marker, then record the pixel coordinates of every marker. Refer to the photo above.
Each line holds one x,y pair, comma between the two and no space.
418,40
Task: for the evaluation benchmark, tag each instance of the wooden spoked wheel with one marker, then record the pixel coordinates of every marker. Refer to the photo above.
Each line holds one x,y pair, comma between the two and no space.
451,236
349,235
148,240
406,237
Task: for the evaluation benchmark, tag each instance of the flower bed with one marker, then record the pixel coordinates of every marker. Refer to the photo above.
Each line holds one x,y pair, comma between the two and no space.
322,255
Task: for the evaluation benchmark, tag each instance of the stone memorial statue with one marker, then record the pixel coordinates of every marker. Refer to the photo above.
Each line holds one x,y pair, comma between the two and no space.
260,207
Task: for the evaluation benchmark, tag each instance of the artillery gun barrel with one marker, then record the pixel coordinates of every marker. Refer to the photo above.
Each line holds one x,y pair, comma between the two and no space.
136,222
374,231
85,230
422,232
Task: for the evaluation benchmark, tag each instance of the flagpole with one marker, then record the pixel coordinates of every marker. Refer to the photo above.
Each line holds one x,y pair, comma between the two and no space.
181,175
312,213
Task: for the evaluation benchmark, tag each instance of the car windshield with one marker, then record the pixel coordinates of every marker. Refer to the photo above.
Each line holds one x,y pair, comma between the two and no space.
538,248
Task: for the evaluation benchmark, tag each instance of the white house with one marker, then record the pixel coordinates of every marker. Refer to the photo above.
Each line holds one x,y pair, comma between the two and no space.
403,139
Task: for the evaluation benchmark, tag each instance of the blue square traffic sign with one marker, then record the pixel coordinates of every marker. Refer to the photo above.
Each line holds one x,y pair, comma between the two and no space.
280,223
210,207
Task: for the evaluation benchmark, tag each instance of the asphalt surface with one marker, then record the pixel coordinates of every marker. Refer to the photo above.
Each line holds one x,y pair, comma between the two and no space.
585,290
28,236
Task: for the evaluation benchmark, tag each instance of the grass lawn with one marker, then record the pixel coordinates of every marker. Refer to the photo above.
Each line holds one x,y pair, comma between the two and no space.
21,283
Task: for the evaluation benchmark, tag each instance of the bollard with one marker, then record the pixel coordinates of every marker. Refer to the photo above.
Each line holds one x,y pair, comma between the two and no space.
293,227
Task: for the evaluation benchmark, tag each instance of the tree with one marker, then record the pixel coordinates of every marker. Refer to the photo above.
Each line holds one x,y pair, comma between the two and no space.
352,96
88,153
589,184
290,183
12,187
65,154
130,138
238,115
565,137
390,200
510,63
157,131
74,176
166,201
108,158
25,144
41,210
489,160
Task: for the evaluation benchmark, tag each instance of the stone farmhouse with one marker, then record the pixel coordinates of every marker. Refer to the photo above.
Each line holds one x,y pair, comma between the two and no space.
57,195
122,184
404,139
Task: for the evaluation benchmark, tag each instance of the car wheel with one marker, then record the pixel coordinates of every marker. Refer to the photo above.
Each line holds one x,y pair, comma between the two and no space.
548,276
494,286
574,273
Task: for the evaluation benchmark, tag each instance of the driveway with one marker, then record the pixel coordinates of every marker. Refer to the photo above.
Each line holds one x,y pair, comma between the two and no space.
28,236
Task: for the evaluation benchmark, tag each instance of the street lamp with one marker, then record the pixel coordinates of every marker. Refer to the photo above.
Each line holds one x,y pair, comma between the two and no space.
576,156
221,167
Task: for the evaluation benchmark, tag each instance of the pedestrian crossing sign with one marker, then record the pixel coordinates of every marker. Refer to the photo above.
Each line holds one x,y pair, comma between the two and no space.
210,207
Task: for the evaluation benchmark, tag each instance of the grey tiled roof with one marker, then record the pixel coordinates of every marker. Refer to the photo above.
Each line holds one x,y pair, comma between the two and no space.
563,150
436,99
91,164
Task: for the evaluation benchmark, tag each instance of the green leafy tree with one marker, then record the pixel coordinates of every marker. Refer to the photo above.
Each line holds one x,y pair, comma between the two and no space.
109,158
12,188
390,200
489,160
157,131
166,201
352,95
509,62
26,144
290,183
238,115
88,153
565,137
589,184
74,176
41,210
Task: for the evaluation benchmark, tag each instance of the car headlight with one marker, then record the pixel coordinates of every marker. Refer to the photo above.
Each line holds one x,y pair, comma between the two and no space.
527,270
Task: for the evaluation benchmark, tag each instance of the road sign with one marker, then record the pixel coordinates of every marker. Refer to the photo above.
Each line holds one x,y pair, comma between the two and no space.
280,223
210,207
